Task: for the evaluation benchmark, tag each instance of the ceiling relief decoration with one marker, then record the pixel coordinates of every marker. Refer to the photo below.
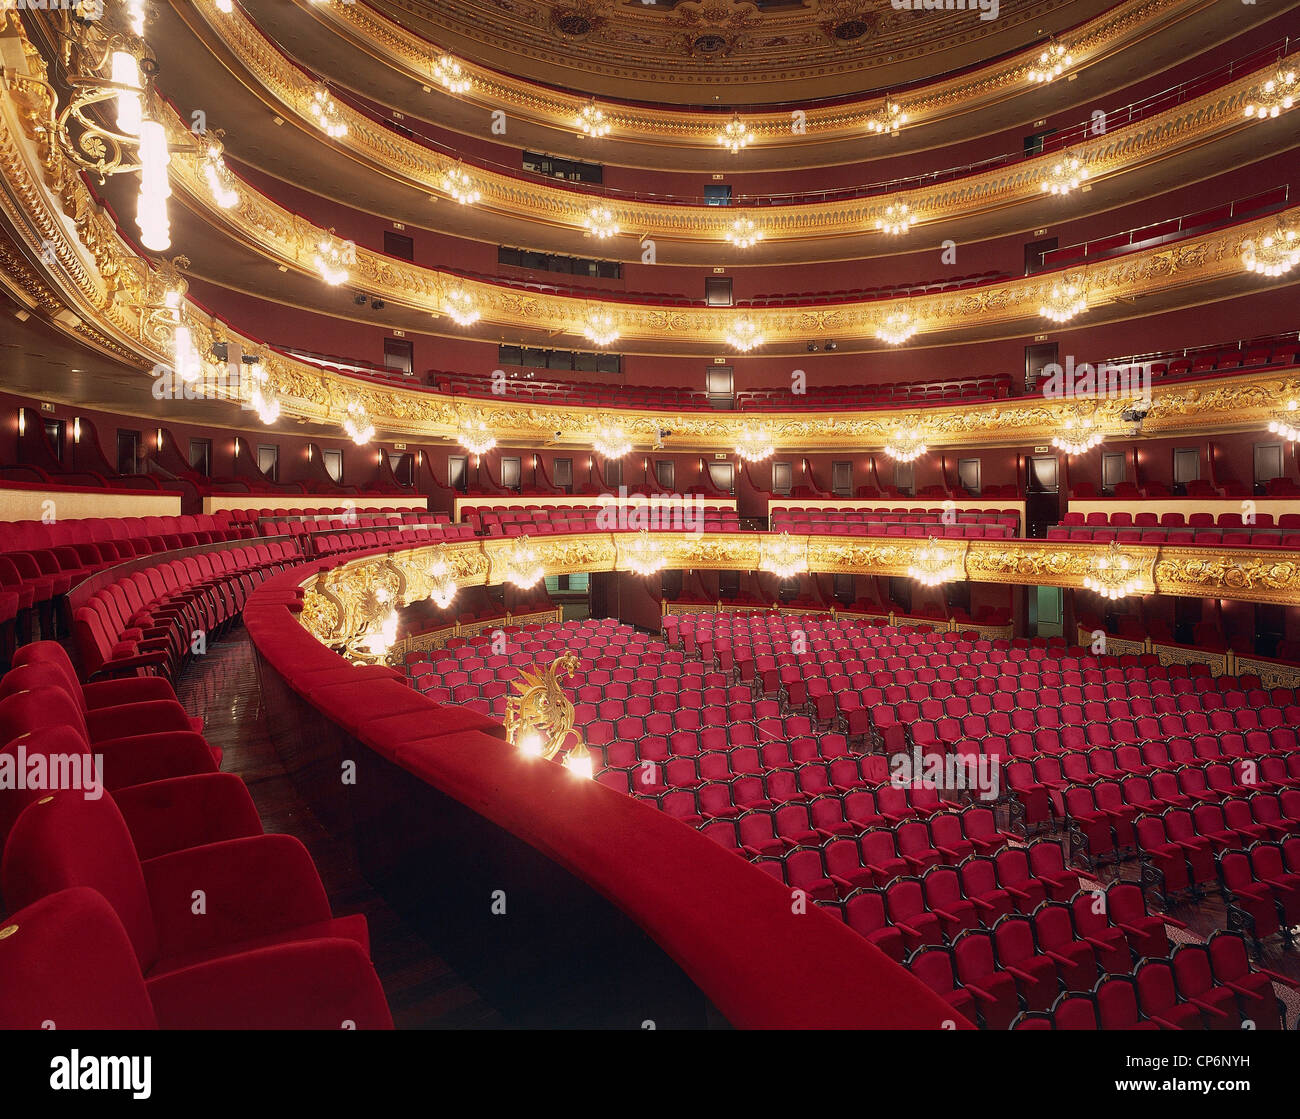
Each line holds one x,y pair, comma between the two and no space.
1189,125
333,597
683,53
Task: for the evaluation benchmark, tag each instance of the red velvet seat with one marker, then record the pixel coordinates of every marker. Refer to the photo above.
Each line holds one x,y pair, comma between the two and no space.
67,962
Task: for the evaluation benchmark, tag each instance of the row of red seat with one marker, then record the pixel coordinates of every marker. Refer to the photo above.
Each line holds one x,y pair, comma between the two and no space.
106,877
156,619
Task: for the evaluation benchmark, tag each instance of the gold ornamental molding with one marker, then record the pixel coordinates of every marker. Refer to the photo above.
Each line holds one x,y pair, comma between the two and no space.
289,239
340,601
70,265
1107,154
408,53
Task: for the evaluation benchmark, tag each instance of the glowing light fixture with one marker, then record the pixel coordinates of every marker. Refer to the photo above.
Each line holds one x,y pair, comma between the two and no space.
599,221
735,135
1272,98
591,121
125,72
450,74
744,233
457,184
896,219
218,177
460,307
1274,254
936,564
1078,437
890,118
151,208
475,437
356,422
523,564
744,336
611,442
906,444
1051,64
326,111
1066,300
1114,574
266,406
753,445
331,260
1283,424
599,327
643,554
784,556
442,581
896,328
1066,174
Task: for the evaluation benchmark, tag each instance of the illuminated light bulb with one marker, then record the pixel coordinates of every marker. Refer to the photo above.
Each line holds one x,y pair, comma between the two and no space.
130,110
451,75
578,762
460,308
591,121
326,111
599,328
600,222
151,209
735,135
744,336
219,179
530,744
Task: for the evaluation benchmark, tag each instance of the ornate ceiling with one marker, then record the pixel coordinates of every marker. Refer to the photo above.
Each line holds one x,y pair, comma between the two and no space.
706,52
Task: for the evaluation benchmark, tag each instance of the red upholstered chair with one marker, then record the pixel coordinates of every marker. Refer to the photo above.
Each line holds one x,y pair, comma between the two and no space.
257,891
67,962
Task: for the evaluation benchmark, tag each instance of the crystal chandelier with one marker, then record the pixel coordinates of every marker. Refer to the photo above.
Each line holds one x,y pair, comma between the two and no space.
459,305
357,424
906,444
599,328
896,219
1065,175
591,121
1273,97
611,442
784,556
1282,424
744,233
600,222
523,564
380,642
936,564
442,582
1113,574
735,135
218,177
896,328
451,76
754,446
330,261
890,118
266,407
1064,301
1052,63
1274,254
643,555
326,111
1078,437
475,437
744,336
457,184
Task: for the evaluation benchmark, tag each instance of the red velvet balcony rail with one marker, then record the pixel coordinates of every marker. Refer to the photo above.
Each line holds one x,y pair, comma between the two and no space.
728,926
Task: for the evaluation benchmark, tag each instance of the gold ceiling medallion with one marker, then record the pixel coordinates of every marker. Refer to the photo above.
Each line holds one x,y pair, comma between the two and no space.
713,28
581,19
847,21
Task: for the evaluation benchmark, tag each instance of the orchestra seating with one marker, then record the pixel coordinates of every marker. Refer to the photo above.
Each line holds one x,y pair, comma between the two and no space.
760,748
